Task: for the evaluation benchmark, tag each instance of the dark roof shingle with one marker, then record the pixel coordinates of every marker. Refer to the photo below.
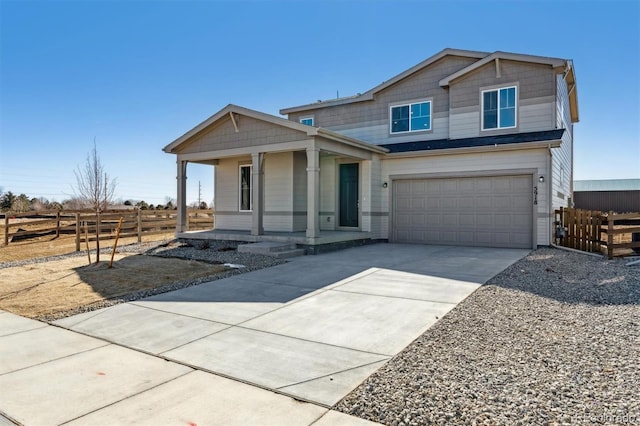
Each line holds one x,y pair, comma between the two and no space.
547,135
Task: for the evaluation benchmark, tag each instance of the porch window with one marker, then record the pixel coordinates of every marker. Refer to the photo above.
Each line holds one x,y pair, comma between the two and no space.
411,117
499,108
245,188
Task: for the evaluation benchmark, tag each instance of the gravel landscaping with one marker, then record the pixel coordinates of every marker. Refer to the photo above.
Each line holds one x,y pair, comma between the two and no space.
553,339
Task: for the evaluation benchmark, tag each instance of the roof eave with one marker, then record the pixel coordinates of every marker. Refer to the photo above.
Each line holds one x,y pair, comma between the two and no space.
573,92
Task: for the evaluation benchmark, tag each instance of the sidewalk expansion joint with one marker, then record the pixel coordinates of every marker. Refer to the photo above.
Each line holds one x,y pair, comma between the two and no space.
127,397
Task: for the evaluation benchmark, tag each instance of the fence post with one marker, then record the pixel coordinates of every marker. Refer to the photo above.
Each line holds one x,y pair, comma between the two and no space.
610,235
6,229
139,225
77,231
58,224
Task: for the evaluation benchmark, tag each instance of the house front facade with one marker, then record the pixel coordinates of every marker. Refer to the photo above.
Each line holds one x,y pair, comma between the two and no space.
465,148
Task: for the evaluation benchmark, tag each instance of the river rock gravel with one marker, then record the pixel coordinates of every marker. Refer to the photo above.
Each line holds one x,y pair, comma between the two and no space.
552,340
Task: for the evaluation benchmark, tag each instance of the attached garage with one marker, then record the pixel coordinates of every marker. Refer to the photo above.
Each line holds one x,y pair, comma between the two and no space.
487,211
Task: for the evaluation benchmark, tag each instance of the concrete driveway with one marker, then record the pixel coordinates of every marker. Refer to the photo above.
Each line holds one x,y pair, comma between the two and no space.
312,329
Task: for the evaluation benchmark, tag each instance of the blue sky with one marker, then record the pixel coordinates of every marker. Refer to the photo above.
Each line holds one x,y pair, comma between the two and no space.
137,74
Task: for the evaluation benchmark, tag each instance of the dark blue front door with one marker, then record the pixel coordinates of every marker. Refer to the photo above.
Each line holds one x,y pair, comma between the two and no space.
348,195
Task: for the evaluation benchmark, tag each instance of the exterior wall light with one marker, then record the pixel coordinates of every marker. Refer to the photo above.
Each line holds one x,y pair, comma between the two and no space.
385,184
541,179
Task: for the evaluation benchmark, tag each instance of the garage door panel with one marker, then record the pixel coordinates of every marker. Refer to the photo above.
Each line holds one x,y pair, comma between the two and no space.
520,221
502,202
483,186
466,237
485,220
466,219
491,211
521,202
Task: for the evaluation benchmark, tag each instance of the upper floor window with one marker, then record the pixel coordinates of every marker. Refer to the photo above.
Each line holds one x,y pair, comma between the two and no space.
411,117
307,120
499,108
245,188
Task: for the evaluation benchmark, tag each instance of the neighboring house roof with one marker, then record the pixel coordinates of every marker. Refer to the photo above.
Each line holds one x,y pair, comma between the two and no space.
518,138
607,185
368,95
231,109
483,59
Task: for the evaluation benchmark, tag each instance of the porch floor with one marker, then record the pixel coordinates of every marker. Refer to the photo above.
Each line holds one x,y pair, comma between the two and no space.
325,237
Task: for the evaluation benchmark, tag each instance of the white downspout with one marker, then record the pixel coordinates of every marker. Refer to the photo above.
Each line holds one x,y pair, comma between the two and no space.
549,195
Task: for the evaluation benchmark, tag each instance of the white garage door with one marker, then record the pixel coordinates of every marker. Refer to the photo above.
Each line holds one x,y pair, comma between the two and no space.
489,211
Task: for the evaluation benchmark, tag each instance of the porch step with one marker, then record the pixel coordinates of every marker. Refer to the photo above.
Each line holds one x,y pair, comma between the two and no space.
269,248
286,254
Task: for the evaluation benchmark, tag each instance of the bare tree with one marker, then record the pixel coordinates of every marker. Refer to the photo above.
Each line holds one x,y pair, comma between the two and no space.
95,187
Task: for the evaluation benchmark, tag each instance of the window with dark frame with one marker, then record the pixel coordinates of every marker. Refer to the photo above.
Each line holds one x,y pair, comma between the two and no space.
245,187
412,117
499,108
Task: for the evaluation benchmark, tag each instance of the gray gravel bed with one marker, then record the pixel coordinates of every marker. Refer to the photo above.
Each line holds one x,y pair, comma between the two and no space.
553,339
216,252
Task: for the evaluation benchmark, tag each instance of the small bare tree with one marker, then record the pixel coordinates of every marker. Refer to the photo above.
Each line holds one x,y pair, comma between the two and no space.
95,187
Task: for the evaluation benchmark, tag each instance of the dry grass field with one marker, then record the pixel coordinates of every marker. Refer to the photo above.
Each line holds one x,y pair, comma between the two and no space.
36,290
43,289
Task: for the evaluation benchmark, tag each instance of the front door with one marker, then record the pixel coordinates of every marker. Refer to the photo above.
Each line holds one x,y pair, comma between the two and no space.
348,195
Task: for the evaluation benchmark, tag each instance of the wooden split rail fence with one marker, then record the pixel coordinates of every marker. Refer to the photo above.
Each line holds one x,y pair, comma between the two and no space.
80,223
594,231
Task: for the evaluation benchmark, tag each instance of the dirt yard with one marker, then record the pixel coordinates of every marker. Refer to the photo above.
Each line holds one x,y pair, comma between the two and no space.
40,289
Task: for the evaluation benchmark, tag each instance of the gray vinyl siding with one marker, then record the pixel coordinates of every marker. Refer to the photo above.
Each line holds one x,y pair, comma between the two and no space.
284,193
228,215
369,120
251,132
299,190
278,189
536,98
562,157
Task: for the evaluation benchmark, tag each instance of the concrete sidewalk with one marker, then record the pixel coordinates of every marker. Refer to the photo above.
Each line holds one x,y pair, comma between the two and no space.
312,329
51,376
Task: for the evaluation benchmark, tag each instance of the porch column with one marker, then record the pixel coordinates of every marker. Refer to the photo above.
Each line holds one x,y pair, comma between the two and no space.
257,193
181,220
313,192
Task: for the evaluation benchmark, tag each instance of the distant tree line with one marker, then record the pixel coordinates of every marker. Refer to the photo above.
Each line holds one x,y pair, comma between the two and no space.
10,202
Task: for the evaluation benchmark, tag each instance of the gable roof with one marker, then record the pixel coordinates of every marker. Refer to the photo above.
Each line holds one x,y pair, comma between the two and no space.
369,94
567,64
483,59
515,138
231,109
553,62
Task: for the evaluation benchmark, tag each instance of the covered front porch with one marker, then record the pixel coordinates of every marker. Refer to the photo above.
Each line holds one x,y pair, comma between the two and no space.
278,180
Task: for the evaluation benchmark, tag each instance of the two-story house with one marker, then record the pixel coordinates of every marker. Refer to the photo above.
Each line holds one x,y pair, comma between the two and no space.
465,148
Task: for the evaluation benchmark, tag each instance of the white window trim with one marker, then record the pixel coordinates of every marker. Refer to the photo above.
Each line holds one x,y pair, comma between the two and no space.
307,118
425,101
497,89
250,166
